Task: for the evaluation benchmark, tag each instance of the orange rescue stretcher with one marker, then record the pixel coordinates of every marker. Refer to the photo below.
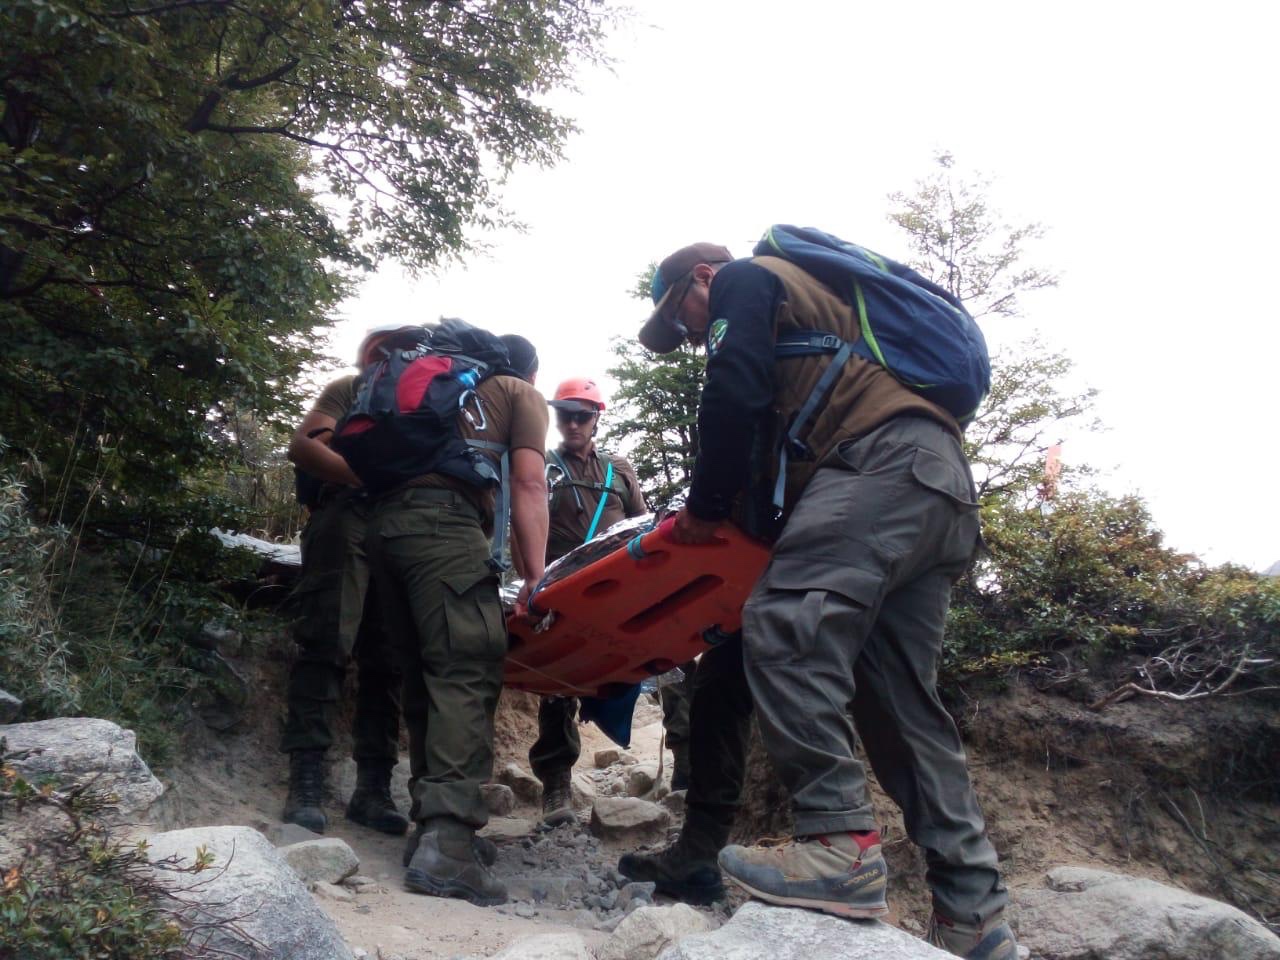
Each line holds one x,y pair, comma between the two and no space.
643,609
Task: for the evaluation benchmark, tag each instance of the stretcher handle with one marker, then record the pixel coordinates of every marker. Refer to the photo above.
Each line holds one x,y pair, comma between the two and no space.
641,546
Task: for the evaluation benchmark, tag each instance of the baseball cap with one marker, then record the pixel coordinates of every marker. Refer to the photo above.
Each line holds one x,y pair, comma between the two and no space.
659,333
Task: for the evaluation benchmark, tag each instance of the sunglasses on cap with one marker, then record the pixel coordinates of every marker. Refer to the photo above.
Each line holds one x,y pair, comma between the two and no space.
580,417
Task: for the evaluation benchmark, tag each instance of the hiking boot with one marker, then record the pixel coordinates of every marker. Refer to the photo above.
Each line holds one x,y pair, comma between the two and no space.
445,865
371,805
680,871
557,799
680,767
306,790
838,873
485,849
992,940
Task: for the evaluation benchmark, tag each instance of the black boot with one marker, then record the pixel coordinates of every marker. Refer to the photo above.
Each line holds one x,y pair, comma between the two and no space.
445,865
557,799
685,870
486,850
371,805
306,790
680,767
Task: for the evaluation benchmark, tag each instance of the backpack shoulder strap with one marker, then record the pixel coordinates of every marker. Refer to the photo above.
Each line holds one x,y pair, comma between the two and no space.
502,509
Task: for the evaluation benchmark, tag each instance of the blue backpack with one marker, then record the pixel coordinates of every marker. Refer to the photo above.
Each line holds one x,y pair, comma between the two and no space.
913,328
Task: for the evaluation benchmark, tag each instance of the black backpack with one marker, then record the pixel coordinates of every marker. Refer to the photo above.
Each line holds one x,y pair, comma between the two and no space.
404,421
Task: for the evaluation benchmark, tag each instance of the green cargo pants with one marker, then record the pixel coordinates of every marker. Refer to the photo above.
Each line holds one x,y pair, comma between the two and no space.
440,599
337,615
851,610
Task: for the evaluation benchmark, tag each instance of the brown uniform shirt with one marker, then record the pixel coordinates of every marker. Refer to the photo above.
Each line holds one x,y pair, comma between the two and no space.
516,416
336,399
571,515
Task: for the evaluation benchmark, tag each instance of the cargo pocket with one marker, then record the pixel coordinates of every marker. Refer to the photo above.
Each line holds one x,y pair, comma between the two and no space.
800,598
940,475
473,616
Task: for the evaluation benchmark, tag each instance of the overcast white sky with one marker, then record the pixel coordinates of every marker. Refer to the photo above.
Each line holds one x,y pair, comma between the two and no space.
1143,136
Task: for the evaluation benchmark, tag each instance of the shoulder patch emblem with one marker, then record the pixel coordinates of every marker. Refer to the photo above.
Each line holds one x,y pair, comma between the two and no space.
715,336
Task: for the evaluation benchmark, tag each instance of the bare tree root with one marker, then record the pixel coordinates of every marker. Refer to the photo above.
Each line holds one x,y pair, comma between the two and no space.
1195,669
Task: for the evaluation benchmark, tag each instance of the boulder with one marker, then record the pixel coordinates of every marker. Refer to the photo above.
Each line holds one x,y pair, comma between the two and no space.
527,787
607,757
761,932
641,778
635,893
284,834
81,749
1081,913
249,880
499,798
627,818
10,707
582,789
507,828
547,946
648,931
326,860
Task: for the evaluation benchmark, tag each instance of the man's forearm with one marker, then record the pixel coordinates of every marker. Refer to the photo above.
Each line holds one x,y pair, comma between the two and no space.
529,527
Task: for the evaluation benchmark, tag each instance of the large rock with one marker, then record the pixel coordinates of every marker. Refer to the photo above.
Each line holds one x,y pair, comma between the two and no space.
250,880
499,798
547,946
760,932
1081,914
324,860
81,749
628,818
644,934
641,778
527,787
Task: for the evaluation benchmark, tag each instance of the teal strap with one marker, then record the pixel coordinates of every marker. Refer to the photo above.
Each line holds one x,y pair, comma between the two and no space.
604,495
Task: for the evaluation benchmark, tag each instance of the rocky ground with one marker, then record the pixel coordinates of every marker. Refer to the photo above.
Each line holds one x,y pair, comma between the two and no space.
560,880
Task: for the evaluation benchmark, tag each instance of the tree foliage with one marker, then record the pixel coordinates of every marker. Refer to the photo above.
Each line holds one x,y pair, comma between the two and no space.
165,257
654,416
962,243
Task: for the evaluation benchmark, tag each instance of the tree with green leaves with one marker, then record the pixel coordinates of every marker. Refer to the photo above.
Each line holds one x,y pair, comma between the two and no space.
191,185
961,242
654,415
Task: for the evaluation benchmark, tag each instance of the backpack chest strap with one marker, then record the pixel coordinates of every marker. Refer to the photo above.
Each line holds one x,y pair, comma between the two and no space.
806,343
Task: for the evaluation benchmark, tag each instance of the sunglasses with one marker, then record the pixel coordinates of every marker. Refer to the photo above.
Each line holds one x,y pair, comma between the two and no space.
580,417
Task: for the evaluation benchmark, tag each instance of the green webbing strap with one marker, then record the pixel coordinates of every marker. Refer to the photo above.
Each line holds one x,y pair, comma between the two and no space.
502,509
816,396
604,495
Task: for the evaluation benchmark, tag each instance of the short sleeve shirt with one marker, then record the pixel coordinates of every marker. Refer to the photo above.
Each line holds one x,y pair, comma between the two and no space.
515,416
336,399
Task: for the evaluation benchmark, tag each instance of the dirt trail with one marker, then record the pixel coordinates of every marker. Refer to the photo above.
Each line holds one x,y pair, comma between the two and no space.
241,779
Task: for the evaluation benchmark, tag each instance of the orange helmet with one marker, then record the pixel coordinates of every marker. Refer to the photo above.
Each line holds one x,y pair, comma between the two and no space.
574,393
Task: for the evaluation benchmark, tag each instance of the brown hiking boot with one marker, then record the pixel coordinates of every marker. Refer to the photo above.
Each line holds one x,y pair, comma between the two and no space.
371,804
992,940
557,799
445,865
304,804
685,870
838,873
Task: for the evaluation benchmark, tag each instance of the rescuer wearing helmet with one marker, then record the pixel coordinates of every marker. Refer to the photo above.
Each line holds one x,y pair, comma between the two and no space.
336,617
590,491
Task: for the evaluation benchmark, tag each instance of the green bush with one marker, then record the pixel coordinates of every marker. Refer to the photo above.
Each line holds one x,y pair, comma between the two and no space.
103,628
76,892
1087,577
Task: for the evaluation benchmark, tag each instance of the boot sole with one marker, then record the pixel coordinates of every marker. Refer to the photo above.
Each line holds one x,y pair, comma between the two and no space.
834,907
415,881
